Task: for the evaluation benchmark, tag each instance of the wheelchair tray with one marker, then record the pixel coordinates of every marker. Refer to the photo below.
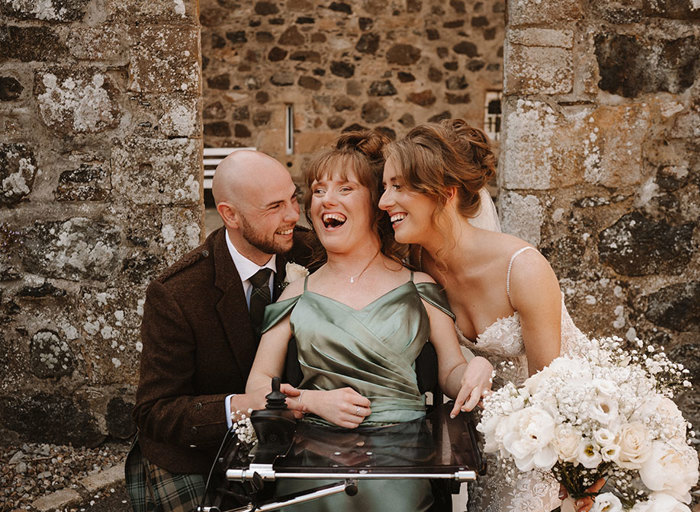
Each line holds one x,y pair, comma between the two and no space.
433,447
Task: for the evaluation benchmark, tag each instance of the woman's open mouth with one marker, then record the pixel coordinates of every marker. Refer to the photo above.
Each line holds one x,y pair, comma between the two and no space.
333,220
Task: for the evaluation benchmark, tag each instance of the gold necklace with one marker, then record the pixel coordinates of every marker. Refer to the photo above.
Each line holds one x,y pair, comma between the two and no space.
355,278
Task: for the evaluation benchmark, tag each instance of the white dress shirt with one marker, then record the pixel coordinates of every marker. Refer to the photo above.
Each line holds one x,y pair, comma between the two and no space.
246,269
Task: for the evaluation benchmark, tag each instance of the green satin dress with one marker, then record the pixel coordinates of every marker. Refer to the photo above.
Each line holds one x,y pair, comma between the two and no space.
373,350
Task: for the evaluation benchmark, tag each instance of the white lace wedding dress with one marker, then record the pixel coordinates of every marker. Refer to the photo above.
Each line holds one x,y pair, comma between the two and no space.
502,341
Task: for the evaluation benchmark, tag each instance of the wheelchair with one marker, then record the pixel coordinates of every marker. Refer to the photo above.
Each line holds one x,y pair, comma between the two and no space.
438,448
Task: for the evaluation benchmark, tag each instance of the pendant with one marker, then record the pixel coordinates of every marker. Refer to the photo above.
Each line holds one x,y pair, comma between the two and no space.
352,280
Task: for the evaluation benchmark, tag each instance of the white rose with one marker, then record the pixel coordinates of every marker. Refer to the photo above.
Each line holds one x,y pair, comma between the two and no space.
659,502
672,470
294,271
566,442
588,454
607,502
635,444
662,413
527,439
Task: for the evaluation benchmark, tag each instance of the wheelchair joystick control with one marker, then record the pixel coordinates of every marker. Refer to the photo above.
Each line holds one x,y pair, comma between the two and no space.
274,426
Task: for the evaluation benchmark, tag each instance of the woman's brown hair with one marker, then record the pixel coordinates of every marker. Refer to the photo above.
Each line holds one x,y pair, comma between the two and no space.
363,153
436,158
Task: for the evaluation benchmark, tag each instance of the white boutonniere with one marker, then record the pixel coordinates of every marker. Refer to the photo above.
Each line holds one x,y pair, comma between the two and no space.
294,271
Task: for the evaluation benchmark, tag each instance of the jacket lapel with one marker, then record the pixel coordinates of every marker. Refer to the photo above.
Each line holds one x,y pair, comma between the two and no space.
232,307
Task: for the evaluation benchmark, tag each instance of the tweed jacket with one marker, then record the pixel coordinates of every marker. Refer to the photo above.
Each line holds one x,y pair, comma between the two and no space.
198,347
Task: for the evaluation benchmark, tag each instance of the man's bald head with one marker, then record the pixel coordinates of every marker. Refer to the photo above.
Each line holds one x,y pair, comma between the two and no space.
242,173
256,198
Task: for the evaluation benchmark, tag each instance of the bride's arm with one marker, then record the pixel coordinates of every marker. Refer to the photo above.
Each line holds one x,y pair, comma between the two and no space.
535,295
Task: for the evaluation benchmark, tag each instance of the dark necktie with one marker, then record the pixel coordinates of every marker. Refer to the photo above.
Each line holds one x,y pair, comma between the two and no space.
259,297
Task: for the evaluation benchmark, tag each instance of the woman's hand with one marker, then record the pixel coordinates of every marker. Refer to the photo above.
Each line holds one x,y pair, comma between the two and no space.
344,407
584,504
476,382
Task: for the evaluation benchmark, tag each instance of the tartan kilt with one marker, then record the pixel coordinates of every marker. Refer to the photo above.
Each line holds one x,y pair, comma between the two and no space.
153,489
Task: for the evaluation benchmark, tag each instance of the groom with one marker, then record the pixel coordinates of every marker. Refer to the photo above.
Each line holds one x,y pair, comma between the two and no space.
200,331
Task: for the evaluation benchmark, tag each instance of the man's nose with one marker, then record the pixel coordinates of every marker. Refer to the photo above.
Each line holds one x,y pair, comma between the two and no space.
291,213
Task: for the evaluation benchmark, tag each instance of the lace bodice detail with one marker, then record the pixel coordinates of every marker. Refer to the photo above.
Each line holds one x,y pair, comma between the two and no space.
503,338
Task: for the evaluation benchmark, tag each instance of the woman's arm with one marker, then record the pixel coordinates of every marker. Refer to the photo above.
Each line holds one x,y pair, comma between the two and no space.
535,295
465,382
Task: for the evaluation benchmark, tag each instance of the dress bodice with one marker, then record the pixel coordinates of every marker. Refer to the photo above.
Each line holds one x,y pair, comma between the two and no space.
372,349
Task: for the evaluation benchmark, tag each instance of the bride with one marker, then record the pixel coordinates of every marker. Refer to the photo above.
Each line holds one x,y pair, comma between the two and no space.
503,292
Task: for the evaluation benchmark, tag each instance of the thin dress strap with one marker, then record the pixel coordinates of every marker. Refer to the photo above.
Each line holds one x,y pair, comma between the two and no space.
510,266
306,278
411,275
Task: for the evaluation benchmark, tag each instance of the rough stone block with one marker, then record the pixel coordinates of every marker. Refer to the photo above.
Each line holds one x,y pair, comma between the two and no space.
56,500
550,38
403,54
109,320
29,44
10,88
87,183
48,418
76,249
533,12
17,171
538,70
106,42
47,10
156,171
119,421
77,100
107,478
522,216
50,356
155,67
181,231
528,149
630,65
171,12
637,246
673,9
676,307
611,144
374,112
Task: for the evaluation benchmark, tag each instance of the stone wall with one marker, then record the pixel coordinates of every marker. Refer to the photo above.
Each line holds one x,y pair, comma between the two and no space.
343,65
600,162
100,172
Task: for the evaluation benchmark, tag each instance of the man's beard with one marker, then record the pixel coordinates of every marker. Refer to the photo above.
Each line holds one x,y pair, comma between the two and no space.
259,241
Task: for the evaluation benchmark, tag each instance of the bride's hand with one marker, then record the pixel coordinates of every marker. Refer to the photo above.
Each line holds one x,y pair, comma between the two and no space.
344,407
584,504
476,382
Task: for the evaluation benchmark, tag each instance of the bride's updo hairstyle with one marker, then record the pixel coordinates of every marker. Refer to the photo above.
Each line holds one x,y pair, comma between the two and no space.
363,153
436,158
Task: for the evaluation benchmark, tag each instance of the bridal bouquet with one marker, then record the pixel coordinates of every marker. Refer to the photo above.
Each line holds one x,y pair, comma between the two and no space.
600,413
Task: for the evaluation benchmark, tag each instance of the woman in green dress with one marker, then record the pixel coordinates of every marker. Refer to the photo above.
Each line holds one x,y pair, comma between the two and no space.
361,320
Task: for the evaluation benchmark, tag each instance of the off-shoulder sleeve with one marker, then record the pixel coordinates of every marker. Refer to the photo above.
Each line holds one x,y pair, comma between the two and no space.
277,311
432,293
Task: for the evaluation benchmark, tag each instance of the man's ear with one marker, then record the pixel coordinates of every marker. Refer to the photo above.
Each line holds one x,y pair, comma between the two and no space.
228,214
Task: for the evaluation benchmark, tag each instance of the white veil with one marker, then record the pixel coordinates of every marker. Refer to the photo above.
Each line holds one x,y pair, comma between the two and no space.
487,217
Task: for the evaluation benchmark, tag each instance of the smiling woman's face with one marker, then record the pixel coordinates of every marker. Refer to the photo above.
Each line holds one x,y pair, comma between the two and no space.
341,210
411,212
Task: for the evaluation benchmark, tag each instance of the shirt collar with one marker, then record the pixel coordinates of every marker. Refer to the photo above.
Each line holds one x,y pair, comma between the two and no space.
244,266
